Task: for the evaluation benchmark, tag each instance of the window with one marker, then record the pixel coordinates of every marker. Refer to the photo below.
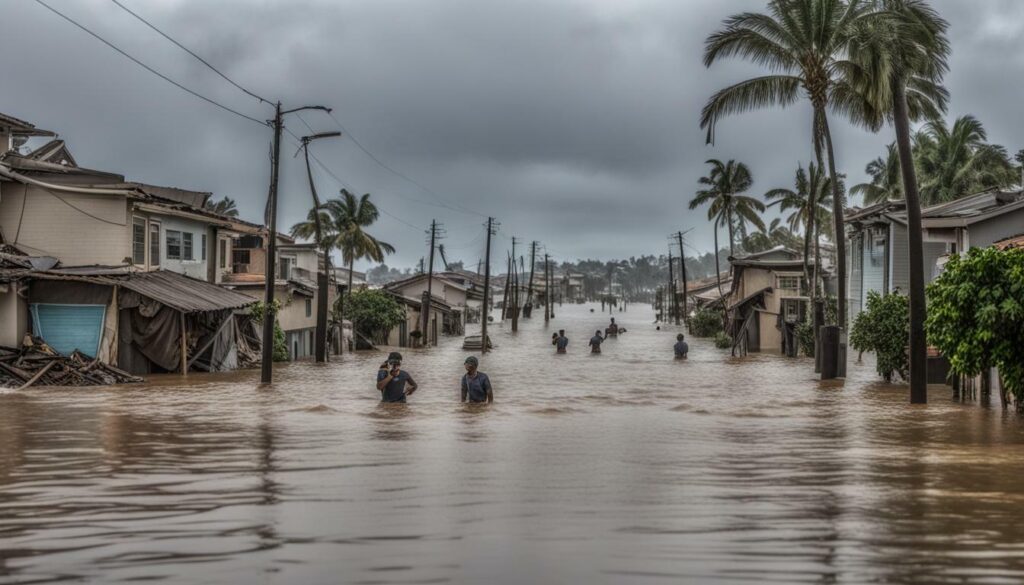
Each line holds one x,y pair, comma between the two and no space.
202,247
309,307
877,251
139,241
285,268
173,245
186,246
788,282
154,244
222,253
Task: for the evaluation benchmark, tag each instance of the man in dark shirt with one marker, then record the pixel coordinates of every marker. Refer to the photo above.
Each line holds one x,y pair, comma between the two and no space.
392,380
681,348
562,342
476,386
612,329
595,342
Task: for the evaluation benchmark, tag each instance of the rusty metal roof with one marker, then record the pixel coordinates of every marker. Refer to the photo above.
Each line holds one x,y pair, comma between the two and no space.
183,293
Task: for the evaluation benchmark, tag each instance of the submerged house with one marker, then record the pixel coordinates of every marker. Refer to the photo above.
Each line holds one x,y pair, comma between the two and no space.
877,254
409,333
766,299
451,294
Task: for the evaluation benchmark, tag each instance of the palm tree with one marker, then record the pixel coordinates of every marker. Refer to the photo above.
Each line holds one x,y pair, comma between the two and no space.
958,161
348,216
225,206
885,179
775,234
803,44
725,183
812,191
904,57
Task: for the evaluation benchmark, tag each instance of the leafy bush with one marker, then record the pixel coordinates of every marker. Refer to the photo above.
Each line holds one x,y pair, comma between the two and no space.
976,315
705,323
805,337
883,327
723,341
258,311
373,311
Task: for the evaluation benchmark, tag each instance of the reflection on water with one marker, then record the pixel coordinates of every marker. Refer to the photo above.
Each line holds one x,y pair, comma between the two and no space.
623,467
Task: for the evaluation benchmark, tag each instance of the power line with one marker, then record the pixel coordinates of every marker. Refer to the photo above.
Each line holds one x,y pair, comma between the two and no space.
147,67
189,51
399,174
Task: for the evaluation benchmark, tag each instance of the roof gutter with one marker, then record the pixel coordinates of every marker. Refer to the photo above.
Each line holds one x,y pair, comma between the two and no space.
5,171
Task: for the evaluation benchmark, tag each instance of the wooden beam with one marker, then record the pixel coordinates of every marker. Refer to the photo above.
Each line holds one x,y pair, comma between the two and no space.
184,346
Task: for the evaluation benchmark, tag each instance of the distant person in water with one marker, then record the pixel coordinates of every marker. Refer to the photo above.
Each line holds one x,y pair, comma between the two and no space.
476,386
554,339
595,342
681,348
612,329
392,380
562,343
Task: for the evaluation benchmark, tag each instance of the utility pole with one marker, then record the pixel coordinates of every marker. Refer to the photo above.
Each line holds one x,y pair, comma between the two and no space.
682,265
529,288
487,287
508,282
321,277
547,289
425,308
269,315
672,288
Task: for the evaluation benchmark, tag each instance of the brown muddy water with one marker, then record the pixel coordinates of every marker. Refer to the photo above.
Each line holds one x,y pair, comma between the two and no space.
628,467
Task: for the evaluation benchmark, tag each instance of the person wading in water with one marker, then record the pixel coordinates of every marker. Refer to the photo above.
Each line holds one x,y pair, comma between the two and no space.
392,380
476,386
681,348
562,342
613,329
595,342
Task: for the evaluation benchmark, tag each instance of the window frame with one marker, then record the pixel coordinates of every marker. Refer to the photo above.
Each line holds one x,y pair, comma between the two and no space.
139,222
188,252
167,238
781,278
154,254
222,252
309,307
202,247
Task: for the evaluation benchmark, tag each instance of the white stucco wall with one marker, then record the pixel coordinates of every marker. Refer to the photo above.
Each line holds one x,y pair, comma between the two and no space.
195,268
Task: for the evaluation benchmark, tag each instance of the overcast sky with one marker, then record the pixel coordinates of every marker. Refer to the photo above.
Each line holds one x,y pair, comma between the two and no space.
573,122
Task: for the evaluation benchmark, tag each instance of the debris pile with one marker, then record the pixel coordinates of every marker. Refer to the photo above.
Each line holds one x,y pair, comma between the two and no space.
37,364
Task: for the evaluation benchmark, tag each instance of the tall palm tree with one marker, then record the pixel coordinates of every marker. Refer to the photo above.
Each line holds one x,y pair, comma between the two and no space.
958,161
775,234
803,44
225,206
886,179
903,56
724,187
348,216
812,190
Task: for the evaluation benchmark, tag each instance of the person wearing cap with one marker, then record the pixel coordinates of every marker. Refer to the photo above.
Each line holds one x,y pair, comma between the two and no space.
595,342
561,343
476,386
392,380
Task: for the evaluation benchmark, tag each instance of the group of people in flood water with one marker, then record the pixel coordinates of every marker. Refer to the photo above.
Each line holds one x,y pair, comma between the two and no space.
395,384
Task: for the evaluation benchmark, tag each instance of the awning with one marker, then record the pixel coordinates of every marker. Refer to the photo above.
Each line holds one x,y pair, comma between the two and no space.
183,293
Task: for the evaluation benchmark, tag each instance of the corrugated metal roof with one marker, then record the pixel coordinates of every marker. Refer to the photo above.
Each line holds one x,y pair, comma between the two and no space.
183,293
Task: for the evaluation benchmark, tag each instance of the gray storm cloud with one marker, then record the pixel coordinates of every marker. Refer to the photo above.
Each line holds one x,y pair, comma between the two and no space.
574,123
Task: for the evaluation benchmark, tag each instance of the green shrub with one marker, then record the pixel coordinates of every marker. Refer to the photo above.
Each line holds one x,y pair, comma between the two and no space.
805,337
723,341
258,311
705,323
883,327
976,315
373,311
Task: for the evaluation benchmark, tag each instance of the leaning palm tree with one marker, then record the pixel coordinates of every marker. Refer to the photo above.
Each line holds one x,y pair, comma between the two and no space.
812,191
958,161
885,179
903,56
225,206
803,44
348,216
775,234
724,187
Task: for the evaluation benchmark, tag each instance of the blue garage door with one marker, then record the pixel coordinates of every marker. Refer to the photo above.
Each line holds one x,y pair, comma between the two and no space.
69,327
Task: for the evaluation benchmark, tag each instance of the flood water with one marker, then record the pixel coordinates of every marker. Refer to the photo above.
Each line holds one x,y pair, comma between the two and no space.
628,467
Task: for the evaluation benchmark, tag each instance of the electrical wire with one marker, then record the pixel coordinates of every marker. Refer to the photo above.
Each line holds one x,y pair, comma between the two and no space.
399,174
189,51
147,67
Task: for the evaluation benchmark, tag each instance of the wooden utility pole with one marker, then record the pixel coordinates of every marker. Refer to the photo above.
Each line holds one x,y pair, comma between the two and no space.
425,309
682,271
529,288
515,291
508,282
547,289
672,289
487,287
321,276
269,315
